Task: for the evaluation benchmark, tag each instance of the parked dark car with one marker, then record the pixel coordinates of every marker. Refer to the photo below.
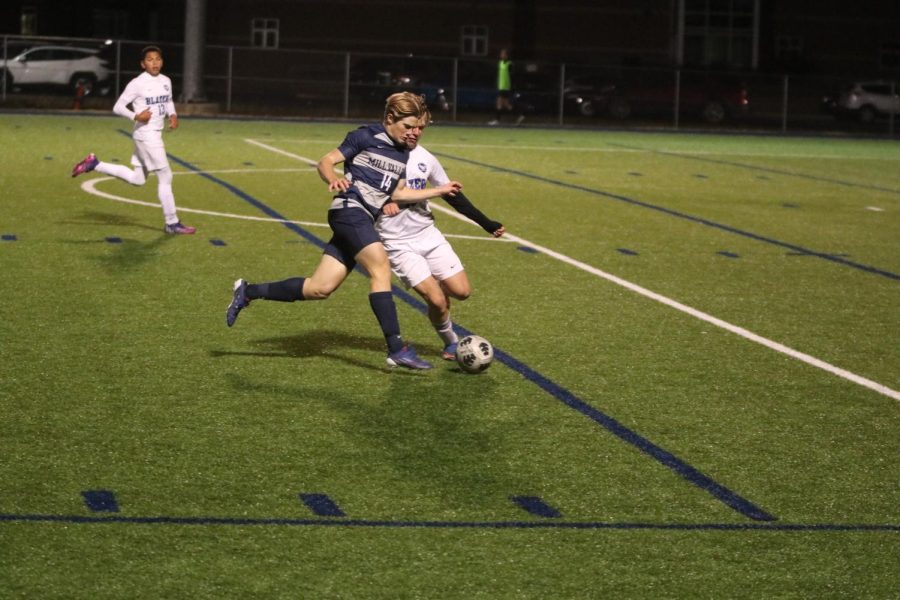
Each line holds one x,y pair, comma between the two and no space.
712,100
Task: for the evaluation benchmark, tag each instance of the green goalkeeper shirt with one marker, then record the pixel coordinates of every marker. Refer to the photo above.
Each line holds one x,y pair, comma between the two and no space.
504,81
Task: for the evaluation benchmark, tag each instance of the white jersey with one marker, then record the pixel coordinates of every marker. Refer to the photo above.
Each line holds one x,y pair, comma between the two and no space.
422,168
143,92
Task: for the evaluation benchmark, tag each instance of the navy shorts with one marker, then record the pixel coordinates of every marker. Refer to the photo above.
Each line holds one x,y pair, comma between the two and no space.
353,230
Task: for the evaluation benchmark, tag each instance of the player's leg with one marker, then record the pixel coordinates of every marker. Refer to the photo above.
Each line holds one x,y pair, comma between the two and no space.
134,175
152,154
457,286
445,265
328,276
447,270
409,264
355,232
438,306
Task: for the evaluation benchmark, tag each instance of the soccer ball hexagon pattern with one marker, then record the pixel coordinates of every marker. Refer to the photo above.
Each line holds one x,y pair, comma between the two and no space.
474,354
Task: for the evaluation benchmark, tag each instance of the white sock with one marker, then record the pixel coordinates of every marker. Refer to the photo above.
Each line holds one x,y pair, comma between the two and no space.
166,197
446,333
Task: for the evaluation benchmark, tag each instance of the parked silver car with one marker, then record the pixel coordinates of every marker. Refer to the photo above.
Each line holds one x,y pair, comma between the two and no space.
866,100
56,66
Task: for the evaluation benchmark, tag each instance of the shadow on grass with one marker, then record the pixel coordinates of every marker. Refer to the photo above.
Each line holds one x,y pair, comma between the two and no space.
128,253
317,344
93,217
435,439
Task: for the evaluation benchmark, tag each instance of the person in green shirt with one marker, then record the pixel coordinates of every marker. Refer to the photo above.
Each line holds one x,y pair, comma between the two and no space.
504,89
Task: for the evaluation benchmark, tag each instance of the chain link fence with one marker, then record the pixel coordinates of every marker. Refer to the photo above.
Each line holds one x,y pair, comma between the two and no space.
319,84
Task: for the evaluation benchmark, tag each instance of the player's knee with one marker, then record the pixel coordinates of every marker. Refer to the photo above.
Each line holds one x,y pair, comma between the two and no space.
459,292
439,303
316,293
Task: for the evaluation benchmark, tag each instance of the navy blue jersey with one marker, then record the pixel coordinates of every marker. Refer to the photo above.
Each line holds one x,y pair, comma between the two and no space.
374,164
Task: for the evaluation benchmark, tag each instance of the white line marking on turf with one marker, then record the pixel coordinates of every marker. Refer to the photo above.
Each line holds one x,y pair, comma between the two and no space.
564,148
744,333
89,186
875,208
308,161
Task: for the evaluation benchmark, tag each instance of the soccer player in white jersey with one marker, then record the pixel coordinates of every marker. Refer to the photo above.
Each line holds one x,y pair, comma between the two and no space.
420,255
150,98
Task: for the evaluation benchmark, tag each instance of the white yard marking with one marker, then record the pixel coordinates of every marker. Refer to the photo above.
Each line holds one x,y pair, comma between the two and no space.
744,333
875,208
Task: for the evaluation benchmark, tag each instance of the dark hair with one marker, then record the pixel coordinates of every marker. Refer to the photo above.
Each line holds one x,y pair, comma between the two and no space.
147,49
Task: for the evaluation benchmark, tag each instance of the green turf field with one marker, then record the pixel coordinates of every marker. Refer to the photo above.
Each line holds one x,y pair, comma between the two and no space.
695,392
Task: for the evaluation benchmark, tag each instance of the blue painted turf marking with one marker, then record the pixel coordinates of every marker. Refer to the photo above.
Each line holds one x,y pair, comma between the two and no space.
100,500
667,459
216,242
535,506
8,237
278,522
627,251
527,249
114,240
689,473
675,213
728,254
321,505
636,174
700,176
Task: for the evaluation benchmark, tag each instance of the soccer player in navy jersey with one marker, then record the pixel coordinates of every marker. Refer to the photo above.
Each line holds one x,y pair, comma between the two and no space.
375,158
420,255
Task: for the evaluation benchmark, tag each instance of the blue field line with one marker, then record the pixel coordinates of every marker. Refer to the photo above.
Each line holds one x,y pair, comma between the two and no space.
730,163
721,493
675,213
542,524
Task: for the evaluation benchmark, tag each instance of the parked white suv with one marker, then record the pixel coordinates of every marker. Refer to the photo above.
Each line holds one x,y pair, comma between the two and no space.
866,100
55,66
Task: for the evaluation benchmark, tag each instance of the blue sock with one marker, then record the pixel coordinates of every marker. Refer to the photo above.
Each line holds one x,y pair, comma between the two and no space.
288,290
386,312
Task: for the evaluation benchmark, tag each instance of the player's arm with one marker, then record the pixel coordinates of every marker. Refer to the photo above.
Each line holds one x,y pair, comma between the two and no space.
406,195
170,110
464,206
128,96
328,172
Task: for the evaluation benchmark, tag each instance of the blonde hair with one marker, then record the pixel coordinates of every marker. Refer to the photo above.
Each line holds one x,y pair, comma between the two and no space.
405,104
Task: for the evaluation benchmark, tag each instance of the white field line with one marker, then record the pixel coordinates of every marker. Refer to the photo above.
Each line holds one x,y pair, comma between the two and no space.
761,154
744,333
90,186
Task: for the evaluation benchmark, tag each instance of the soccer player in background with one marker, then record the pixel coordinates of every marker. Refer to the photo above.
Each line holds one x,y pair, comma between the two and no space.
420,255
150,97
504,89
375,159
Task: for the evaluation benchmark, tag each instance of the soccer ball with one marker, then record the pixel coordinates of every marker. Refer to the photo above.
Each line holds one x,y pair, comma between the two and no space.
474,354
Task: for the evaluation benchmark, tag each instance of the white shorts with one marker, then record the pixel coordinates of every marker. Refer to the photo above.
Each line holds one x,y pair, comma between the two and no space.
150,154
428,254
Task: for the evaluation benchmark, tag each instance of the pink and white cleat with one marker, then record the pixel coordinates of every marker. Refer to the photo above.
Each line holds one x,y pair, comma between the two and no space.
87,165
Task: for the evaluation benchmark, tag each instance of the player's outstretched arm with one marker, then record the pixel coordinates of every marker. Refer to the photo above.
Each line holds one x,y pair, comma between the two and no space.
406,195
464,206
